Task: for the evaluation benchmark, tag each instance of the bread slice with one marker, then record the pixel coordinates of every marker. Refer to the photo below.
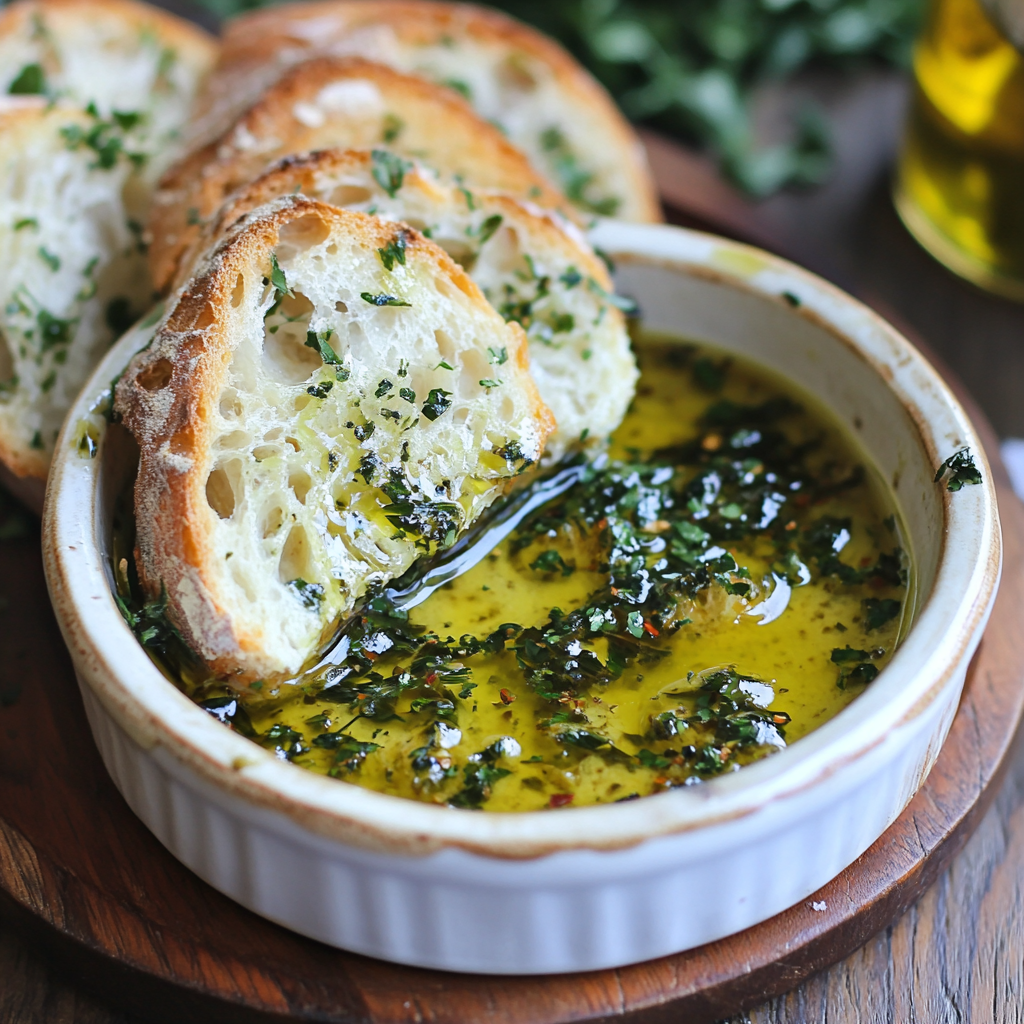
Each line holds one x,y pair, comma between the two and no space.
74,277
533,267
116,54
95,93
328,102
550,107
312,417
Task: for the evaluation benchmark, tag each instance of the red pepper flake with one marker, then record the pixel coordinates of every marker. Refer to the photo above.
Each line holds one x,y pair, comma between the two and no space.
650,629
780,719
602,523
370,655
506,697
431,679
791,525
711,443
560,800
615,591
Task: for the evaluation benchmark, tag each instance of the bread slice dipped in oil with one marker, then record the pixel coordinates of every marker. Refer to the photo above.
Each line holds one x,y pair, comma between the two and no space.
535,268
327,102
513,75
313,416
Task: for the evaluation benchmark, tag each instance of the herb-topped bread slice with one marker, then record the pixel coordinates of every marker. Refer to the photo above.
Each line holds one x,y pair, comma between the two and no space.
533,267
95,95
326,102
74,277
313,416
514,76
117,55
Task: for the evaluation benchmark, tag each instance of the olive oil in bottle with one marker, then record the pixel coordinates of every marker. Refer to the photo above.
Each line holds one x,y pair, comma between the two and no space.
960,182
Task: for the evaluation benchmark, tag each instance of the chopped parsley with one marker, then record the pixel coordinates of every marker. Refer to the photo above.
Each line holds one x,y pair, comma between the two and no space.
389,170
278,280
959,469
53,330
391,128
382,299
855,666
488,227
349,753
310,594
551,561
434,522
461,87
576,181
879,611
318,342
49,258
479,776
30,81
321,390
393,252
438,402
105,138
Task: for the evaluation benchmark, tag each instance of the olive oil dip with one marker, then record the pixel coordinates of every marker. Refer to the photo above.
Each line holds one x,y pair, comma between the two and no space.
724,577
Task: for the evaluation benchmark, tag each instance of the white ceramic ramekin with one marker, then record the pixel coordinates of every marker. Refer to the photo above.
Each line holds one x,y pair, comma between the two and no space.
582,888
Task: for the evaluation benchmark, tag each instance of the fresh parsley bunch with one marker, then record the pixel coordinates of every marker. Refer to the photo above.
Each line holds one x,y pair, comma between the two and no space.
690,68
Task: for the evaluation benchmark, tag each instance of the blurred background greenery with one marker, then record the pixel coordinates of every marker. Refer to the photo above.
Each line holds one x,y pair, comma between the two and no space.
690,68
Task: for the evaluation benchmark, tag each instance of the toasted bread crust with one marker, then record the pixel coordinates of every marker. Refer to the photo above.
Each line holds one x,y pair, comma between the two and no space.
257,41
167,398
434,119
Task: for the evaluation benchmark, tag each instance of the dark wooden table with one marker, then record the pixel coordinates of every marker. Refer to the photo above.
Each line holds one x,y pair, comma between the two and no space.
958,955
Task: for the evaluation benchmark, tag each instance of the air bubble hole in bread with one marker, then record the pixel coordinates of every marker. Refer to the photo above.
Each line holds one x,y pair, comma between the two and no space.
533,267
312,417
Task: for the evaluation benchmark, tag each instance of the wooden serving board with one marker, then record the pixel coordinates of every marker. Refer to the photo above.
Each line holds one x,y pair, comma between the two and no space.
83,877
